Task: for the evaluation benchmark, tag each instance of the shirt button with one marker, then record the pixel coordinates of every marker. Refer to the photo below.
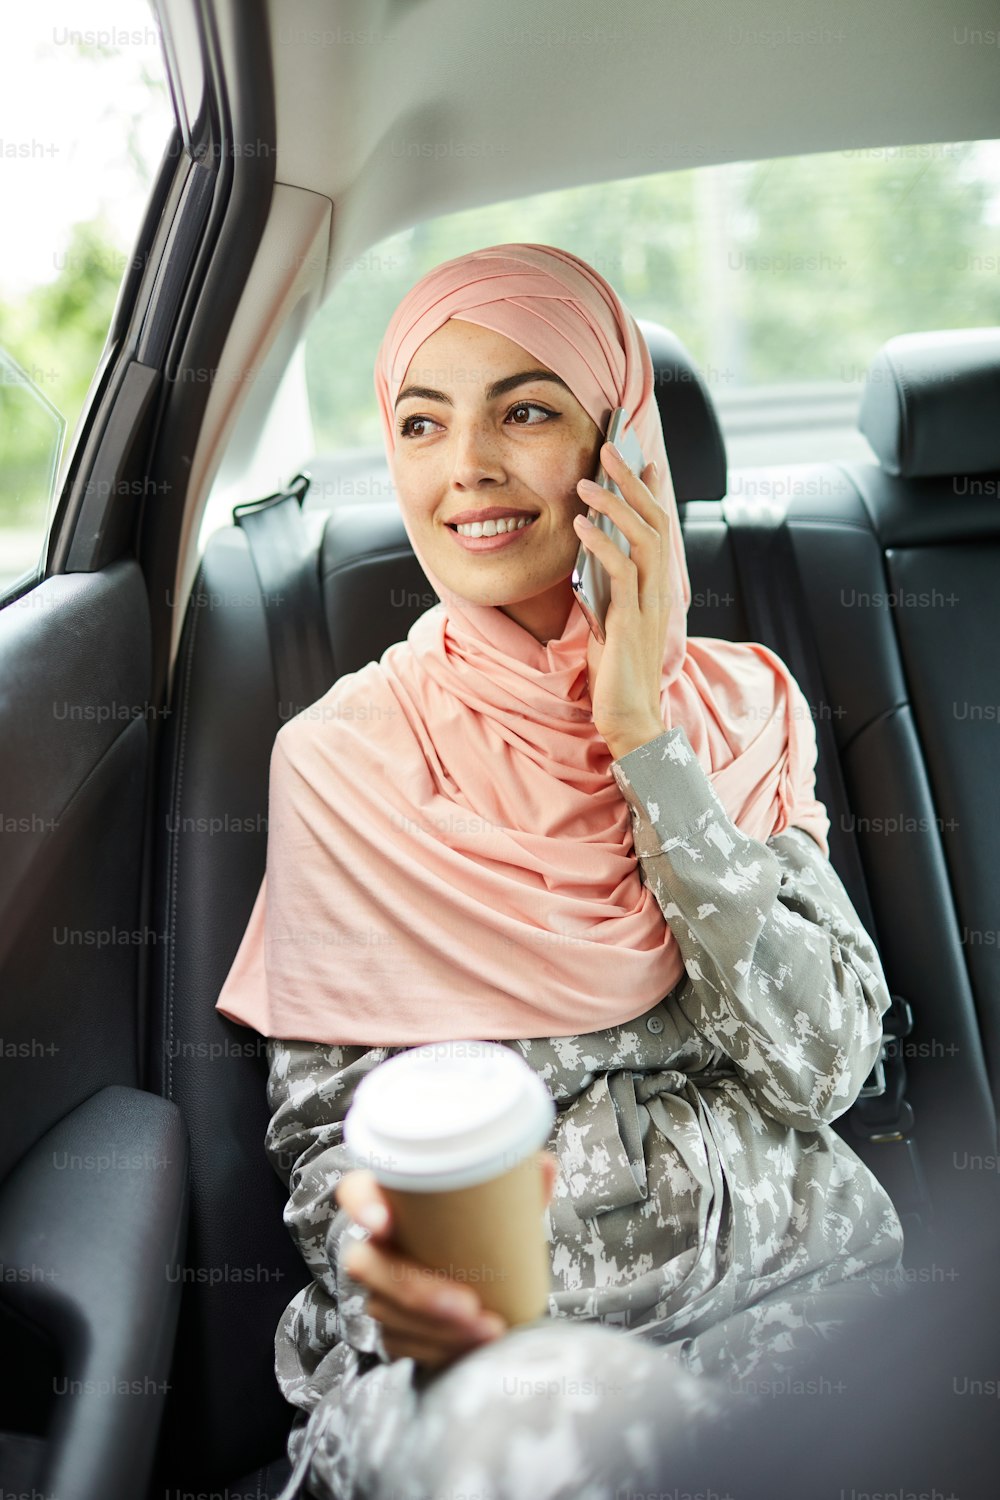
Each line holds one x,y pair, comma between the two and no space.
655,1025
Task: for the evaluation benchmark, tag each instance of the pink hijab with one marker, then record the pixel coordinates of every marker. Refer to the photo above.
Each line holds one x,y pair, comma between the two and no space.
449,854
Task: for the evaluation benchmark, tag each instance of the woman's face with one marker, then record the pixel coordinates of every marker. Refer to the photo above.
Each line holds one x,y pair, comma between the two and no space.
473,435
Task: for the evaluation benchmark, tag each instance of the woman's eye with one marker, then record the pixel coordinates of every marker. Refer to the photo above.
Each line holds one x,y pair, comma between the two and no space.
529,406
408,424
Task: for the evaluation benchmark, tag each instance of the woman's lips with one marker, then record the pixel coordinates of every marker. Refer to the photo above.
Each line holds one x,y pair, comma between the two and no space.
490,543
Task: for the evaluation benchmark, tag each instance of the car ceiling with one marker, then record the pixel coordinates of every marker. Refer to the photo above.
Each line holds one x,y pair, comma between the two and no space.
400,110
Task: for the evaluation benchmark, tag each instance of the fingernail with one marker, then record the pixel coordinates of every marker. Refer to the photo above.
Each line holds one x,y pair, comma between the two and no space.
582,521
454,1304
491,1325
373,1216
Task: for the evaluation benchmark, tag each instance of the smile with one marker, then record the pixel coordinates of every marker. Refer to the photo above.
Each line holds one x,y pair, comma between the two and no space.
490,536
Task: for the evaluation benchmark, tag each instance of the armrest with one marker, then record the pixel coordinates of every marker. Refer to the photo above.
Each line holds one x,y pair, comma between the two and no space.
95,1218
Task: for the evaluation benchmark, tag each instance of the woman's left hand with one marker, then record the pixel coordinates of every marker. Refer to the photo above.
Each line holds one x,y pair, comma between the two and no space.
626,671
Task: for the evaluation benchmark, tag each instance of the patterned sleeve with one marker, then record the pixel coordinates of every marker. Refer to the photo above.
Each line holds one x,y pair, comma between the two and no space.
784,978
309,1090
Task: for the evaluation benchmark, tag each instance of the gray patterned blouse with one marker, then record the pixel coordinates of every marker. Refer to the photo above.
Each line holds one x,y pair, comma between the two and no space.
703,1199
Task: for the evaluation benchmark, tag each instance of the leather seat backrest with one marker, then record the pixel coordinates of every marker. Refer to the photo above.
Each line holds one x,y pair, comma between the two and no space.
930,412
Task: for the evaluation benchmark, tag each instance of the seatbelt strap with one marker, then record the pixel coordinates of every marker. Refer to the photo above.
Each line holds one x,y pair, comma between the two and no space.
775,606
286,562
774,603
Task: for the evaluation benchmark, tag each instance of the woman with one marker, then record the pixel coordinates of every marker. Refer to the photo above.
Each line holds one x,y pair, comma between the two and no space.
608,857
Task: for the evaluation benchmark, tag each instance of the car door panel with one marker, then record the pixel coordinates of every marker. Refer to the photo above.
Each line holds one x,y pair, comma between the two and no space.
111,1176
93,1199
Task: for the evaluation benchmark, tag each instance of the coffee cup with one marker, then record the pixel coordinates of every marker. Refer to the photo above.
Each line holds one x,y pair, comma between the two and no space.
452,1132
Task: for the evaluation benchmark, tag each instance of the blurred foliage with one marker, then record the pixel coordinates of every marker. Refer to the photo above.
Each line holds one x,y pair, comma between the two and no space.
56,334
56,331
796,269
792,270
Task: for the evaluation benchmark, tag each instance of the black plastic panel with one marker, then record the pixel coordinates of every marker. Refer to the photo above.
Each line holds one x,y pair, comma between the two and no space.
95,1218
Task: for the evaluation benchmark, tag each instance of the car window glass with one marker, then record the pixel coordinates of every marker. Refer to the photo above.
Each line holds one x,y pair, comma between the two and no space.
85,115
783,278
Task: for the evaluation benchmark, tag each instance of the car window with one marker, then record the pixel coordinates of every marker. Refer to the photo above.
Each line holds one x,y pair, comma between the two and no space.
783,278
85,115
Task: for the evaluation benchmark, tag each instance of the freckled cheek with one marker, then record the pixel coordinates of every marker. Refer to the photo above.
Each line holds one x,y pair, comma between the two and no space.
557,486
417,502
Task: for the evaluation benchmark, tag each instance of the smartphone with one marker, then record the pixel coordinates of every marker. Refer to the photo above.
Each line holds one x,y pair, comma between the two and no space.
591,582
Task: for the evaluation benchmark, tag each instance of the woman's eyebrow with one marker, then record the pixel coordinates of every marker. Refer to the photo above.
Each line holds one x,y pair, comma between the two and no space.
498,388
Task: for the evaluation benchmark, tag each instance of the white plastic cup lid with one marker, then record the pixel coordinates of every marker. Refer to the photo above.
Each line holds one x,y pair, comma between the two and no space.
447,1115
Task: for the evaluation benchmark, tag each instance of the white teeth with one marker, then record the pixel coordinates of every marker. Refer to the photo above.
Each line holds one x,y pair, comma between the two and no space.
493,528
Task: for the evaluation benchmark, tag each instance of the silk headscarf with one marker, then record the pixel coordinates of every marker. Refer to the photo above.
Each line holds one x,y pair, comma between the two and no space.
448,853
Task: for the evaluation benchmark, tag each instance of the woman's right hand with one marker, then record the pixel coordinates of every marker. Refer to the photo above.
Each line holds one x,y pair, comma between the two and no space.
426,1317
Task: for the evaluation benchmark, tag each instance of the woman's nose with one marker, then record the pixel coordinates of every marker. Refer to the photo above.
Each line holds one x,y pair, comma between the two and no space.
476,455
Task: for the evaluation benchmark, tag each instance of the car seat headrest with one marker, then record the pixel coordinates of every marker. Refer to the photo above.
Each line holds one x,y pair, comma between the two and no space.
695,448
931,402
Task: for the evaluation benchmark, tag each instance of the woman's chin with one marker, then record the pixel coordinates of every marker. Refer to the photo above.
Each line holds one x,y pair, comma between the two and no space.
557,593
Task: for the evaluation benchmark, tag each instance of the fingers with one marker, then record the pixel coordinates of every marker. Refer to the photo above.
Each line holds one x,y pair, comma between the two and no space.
434,1355
404,1321
359,1193
624,476
446,1336
626,513
435,1351
403,1281
640,578
424,1316
639,516
623,571
636,489
550,1171
409,1301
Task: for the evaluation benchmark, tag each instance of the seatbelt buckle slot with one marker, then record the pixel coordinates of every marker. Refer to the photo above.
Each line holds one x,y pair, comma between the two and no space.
896,1023
898,1019
874,1084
